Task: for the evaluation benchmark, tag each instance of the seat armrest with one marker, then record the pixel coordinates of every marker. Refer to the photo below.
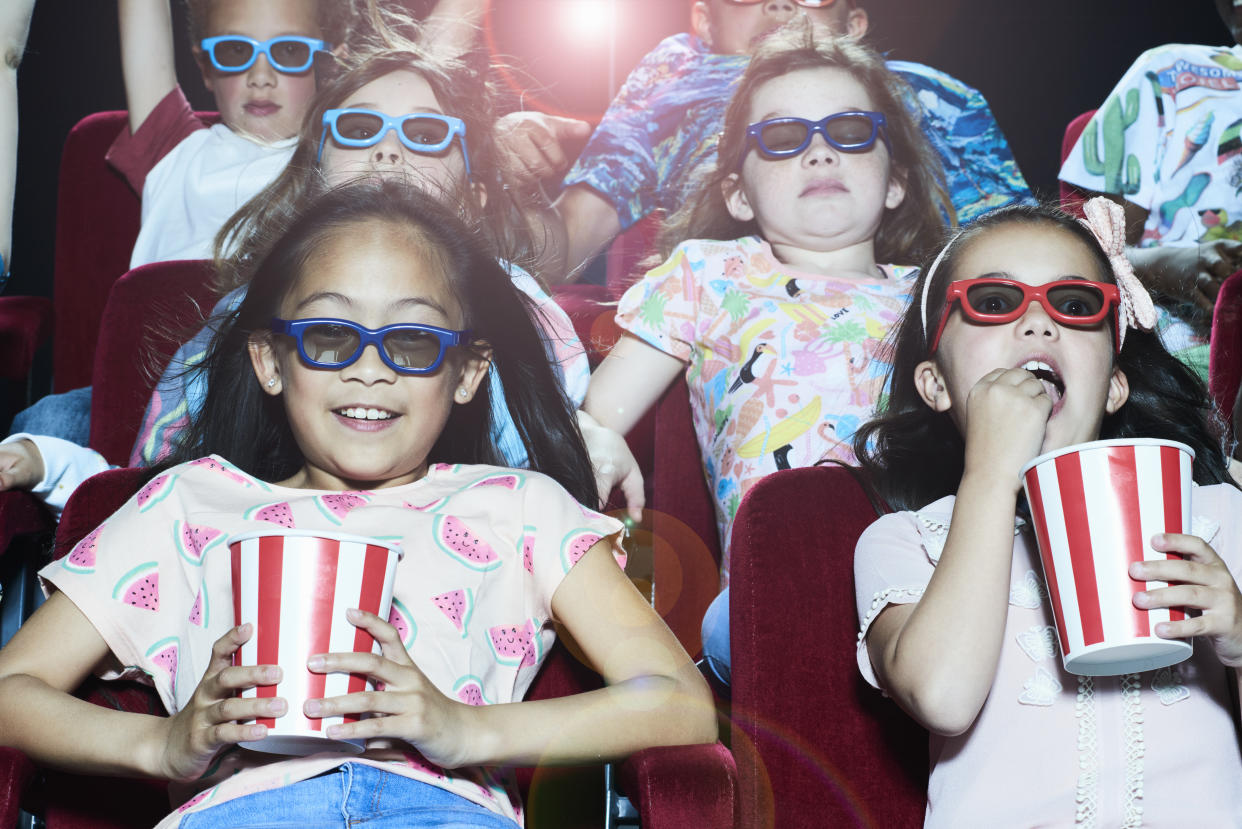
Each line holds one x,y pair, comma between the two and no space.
678,786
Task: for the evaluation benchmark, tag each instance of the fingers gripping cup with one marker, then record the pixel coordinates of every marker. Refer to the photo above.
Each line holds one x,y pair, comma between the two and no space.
295,587
1095,507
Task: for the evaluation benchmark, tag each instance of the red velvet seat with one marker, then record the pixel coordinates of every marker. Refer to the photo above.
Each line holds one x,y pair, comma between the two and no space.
25,324
672,787
1225,346
1072,198
815,745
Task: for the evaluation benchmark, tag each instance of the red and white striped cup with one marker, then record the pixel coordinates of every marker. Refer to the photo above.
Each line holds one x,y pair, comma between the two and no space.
1095,507
294,587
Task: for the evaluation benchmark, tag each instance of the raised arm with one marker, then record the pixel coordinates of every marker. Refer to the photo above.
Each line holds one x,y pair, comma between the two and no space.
14,26
146,56
453,26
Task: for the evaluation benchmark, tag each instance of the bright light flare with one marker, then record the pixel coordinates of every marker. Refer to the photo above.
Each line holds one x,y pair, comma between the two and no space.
588,21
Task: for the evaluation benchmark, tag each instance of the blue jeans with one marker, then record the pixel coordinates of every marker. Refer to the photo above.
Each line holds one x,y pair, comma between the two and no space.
351,795
66,416
716,651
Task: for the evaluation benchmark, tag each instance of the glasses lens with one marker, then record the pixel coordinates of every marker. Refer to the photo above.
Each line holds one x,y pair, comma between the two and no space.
412,349
232,53
1076,301
290,53
994,300
428,131
851,130
815,4
785,137
358,126
328,343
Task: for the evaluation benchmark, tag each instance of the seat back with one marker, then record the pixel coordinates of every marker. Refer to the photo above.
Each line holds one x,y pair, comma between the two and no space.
97,218
815,745
1225,346
150,311
1072,198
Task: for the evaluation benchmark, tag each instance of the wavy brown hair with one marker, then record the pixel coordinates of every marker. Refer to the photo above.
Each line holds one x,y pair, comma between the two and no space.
906,231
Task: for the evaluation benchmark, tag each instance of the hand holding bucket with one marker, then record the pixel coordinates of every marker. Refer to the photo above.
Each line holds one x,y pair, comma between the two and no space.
1095,507
294,587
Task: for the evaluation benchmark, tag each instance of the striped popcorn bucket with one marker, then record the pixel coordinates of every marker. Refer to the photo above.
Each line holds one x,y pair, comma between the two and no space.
295,587
1095,507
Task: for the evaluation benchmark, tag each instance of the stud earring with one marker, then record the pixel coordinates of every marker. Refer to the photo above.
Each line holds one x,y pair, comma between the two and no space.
462,393
271,382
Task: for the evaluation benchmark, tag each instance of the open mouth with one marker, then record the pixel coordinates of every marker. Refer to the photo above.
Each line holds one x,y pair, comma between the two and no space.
1046,374
361,413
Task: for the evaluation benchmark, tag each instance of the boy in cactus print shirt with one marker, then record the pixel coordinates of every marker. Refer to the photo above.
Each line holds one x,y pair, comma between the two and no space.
457,614
782,366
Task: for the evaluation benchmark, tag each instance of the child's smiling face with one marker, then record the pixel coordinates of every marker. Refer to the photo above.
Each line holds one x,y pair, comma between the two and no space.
735,29
374,274
1083,383
260,102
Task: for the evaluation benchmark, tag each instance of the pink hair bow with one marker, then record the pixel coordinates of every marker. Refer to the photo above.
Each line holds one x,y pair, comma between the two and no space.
1107,222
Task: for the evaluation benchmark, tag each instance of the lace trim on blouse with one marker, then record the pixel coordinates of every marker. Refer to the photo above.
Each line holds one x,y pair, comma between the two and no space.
881,600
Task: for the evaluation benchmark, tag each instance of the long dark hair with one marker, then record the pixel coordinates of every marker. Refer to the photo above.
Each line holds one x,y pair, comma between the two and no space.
913,455
462,91
248,427
906,231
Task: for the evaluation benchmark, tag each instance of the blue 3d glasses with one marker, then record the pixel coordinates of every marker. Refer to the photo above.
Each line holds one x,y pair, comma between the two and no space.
428,133
406,348
236,53
848,132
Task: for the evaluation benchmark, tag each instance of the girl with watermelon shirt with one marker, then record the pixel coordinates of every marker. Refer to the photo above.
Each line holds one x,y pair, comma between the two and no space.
494,556
955,618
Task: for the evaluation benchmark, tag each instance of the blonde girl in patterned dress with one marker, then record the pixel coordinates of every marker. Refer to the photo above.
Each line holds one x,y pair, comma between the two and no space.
955,619
348,392
773,304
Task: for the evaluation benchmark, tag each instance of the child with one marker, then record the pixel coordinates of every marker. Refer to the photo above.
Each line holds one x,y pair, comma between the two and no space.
954,615
399,431
659,136
464,173
778,329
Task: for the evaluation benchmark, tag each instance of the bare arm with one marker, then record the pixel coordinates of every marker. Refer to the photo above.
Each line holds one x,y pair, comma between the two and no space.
452,26
14,27
580,223
49,656
938,657
146,56
629,382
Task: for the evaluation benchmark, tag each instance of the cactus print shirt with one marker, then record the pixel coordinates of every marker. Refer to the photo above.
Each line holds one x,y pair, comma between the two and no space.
154,579
659,134
782,366
1169,139
1049,748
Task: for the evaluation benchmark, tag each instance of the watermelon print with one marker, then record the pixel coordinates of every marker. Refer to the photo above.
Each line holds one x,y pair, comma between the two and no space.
204,795
528,549
280,514
193,540
515,645
337,505
430,506
509,480
163,655
156,490
469,689
400,618
227,470
455,538
199,613
457,605
140,587
575,546
415,760
82,558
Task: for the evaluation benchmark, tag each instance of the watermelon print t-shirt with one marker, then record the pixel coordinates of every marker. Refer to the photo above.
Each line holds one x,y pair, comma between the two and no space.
782,366
154,579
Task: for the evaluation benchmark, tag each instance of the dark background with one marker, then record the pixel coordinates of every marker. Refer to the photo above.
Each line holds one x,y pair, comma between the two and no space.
1038,63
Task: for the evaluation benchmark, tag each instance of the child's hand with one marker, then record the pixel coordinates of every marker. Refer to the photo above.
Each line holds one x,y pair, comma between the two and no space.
410,708
21,465
613,463
209,721
1204,583
1006,415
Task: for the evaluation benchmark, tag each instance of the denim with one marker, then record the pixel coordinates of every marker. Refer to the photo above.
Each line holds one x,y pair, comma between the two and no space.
716,637
350,795
66,416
